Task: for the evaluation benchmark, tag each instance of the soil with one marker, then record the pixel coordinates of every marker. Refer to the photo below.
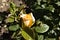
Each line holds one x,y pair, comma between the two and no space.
4,4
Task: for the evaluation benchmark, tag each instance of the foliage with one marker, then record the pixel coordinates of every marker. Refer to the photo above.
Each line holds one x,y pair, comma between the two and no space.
45,27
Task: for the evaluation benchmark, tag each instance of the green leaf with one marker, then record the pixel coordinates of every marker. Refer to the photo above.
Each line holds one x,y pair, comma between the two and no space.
47,18
58,3
43,28
12,5
50,38
50,8
59,22
21,7
11,11
9,20
38,22
12,8
44,0
38,2
27,34
40,37
14,27
38,7
43,5
48,1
